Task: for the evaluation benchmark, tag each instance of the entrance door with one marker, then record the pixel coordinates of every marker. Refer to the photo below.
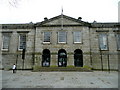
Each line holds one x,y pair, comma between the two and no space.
62,58
46,58
78,58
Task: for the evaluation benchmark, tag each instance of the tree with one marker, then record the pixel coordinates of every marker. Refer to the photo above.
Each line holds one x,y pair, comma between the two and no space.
14,3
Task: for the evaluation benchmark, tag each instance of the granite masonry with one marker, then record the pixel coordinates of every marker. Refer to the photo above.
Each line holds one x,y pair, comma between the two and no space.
60,41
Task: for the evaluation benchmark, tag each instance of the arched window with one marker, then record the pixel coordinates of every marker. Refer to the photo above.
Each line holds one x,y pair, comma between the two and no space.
46,58
62,58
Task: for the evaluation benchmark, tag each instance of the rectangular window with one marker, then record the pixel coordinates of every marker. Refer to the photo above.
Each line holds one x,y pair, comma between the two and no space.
118,41
47,37
22,41
6,40
103,42
77,37
61,37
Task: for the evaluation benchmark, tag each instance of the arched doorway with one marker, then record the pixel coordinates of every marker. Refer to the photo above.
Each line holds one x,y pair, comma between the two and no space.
62,58
46,58
78,58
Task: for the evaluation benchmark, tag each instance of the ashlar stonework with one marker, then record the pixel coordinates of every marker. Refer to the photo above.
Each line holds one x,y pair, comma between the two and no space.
85,52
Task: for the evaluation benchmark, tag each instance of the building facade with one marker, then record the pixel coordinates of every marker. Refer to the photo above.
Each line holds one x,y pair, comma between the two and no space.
61,41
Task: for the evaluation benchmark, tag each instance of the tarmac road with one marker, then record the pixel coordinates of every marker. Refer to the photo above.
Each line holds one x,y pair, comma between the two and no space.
28,79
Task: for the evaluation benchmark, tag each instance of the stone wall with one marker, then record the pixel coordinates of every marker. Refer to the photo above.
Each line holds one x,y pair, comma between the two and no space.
13,55
92,55
69,47
105,59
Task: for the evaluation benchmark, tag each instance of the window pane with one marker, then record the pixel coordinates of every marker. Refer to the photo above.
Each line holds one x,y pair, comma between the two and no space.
118,41
22,41
62,37
46,36
77,37
103,41
6,39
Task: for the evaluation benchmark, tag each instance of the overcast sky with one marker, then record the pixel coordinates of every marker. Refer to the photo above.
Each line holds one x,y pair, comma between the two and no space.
35,10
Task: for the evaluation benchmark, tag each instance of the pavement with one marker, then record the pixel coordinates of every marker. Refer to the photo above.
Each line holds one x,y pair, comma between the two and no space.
29,79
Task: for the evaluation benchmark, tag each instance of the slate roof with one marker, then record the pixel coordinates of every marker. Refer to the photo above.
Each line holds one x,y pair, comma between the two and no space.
17,26
105,25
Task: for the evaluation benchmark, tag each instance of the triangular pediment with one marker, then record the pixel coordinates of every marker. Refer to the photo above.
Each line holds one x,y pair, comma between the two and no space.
62,20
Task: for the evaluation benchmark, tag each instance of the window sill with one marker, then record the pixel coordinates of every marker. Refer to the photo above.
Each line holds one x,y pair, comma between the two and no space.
105,50
46,43
77,42
5,50
20,50
62,43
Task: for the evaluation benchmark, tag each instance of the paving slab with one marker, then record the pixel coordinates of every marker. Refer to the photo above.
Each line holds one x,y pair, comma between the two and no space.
29,79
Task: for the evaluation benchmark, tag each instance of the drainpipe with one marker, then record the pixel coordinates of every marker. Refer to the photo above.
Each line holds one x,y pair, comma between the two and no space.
108,63
101,60
16,59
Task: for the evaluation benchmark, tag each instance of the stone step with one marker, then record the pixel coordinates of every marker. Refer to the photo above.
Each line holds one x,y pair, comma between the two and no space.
63,69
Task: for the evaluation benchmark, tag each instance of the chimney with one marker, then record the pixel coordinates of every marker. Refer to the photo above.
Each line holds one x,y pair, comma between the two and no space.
80,18
45,18
94,21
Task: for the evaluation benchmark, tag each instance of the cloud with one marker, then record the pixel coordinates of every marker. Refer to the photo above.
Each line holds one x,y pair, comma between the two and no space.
36,10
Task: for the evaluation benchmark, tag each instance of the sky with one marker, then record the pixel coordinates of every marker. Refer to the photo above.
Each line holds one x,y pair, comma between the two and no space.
25,11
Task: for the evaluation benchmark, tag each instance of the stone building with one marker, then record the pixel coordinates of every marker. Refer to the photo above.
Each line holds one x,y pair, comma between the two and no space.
61,41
